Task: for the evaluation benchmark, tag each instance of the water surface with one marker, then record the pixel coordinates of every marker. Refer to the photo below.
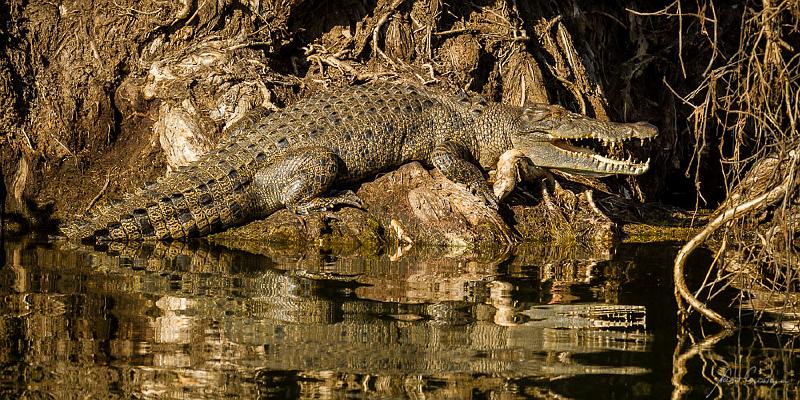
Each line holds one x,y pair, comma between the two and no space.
201,321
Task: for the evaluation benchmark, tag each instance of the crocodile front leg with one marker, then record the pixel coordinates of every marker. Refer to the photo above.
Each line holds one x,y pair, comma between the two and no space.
512,167
298,180
452,159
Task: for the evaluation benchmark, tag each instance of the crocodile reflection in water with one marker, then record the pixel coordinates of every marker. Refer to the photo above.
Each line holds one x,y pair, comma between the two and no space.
185,317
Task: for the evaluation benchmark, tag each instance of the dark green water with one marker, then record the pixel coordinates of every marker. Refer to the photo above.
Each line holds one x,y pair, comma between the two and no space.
198,321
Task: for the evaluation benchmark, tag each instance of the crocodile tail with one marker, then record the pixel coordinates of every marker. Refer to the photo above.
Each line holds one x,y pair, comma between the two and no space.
135,219
205,197
162,212
152,216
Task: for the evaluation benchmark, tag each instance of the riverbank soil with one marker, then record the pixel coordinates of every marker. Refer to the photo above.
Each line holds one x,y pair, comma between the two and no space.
100,98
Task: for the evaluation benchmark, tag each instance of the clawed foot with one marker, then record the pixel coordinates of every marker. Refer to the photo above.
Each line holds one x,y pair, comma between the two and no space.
514,167
327,203
503,186
483,191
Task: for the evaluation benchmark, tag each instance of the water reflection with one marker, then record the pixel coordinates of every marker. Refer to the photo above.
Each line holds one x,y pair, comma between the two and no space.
200,321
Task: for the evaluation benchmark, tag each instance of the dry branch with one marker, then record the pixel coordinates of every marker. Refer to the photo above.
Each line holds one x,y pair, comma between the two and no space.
744,106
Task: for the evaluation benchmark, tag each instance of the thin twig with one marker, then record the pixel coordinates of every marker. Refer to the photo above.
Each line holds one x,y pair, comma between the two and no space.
103,190
346,68
455,31
248,44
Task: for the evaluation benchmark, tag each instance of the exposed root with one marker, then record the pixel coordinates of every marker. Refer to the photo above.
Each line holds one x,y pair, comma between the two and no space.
377,29
20,181
752,206
100,194
747,110
321,57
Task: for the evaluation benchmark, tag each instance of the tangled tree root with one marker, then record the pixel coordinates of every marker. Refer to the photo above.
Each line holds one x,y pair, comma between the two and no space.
730,214
757,119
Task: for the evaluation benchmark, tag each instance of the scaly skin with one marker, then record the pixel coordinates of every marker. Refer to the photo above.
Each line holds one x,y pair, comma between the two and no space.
293,157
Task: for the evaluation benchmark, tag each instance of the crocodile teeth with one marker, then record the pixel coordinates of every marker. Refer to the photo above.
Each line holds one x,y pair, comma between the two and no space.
606,160
610,164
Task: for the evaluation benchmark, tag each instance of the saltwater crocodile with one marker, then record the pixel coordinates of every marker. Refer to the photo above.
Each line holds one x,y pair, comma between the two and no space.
293,158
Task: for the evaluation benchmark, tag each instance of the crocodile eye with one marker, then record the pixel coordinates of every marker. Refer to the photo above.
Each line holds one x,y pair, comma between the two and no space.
535,113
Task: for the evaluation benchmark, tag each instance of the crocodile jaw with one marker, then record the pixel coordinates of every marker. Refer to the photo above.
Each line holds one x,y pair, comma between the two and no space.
560,155
543,133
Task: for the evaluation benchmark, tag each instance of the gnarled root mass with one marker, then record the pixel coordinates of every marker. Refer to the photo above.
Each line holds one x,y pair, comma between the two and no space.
748,104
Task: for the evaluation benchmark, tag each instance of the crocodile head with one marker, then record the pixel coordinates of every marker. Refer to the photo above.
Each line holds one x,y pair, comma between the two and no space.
550,136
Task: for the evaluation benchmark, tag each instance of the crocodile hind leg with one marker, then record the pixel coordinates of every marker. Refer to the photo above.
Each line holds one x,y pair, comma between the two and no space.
452,159
299,179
